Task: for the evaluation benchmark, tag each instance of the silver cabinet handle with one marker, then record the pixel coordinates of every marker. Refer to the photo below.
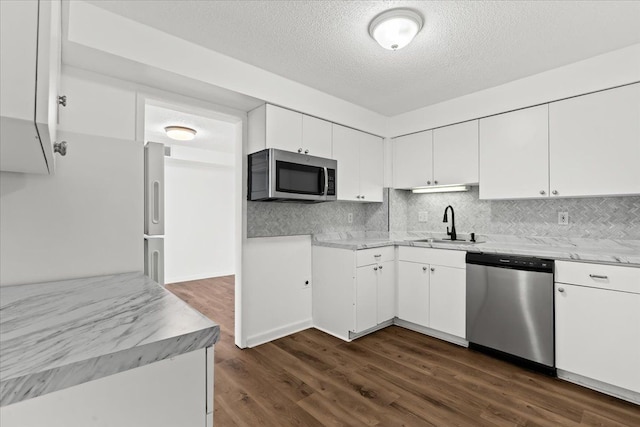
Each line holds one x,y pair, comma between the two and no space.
306,151
543,192
299,150
60,148
424,268
560,289
362,196
428,182
435,182
380,267
554,192
62,100
375,268
377,255
433,269
598,276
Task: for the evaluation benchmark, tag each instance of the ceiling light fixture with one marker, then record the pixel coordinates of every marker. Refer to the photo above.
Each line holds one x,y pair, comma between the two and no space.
395,28
180,133
443,189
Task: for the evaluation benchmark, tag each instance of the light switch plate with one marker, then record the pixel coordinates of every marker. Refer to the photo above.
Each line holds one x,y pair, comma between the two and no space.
422,216
563,218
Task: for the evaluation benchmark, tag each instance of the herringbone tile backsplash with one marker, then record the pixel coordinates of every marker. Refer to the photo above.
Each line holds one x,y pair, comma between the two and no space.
595,217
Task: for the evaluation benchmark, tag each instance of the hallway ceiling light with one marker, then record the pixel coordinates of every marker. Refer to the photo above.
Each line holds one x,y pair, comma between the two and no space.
180,133
443,189
394,29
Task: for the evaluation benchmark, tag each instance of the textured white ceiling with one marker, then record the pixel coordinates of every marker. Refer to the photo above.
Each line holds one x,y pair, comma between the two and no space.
212,135
464,46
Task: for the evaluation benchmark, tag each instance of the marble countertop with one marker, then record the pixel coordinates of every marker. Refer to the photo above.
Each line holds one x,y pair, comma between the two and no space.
59,334
587,250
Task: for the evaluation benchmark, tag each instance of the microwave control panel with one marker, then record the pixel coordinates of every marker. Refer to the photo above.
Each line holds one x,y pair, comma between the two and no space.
331,180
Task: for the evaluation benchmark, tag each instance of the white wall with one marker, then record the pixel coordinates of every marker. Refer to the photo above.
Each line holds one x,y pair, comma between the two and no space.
600,72
87,219
200,220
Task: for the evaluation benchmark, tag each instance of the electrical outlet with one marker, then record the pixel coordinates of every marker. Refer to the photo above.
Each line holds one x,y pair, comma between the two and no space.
350,218
422,216
563,218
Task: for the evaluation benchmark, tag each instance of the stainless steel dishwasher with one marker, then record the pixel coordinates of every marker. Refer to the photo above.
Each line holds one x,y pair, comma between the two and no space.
510,308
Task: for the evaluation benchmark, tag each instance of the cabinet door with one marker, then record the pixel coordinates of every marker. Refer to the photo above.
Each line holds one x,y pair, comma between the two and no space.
413,160
597,334
594,143
455,154
514,155
447,300
316,136
346,150
371,167
413,292
283,129
366,297
386,291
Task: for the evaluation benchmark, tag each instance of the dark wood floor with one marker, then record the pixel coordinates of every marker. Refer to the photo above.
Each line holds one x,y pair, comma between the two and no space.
393,377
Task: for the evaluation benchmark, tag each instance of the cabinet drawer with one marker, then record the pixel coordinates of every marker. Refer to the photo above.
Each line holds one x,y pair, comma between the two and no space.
617,278
372,256
443,257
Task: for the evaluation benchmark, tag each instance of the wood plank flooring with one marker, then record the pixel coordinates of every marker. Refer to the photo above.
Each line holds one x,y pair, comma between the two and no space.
393,377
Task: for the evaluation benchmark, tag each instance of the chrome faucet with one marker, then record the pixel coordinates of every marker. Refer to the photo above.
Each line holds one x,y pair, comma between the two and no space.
453,234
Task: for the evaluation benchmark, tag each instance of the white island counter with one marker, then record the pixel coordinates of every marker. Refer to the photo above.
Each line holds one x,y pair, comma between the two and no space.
110,350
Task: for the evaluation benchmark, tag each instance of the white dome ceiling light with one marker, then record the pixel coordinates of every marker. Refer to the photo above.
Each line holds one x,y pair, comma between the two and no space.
180,133
395,28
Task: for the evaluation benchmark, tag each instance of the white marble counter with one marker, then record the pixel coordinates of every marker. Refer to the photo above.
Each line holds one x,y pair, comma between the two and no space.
587,250
60,334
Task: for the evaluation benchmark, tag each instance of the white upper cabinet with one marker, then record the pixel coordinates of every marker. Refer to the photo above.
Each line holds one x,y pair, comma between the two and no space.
413,160
29,81
594,143
455,154
360,164
514,154
276,127
283,129
316,136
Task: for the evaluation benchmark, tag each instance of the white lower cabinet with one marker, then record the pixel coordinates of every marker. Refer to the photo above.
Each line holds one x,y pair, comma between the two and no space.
447,300
413,292
432,289
353,290
597,310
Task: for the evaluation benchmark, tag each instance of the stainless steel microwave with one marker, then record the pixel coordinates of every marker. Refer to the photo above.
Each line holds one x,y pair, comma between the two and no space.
283,176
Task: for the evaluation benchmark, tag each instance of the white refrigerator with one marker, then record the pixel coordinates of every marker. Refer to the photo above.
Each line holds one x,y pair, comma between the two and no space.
154,211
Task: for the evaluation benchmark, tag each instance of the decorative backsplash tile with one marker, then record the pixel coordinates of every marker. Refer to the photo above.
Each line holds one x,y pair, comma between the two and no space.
594,217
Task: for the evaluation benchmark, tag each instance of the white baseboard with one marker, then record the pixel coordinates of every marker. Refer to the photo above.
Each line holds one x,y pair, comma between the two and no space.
431,332
612,390
274,334
199,276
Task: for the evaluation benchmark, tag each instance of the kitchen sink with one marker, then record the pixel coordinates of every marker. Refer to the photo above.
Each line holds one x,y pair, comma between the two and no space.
454,242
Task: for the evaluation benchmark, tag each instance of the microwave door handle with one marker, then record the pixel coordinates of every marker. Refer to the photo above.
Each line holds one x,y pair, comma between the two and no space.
326,181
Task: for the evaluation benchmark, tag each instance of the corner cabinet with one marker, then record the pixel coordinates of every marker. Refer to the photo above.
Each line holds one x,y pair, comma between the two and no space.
514,154
432,290
30,44
594,143
353,291
597,310
275,127
360,164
